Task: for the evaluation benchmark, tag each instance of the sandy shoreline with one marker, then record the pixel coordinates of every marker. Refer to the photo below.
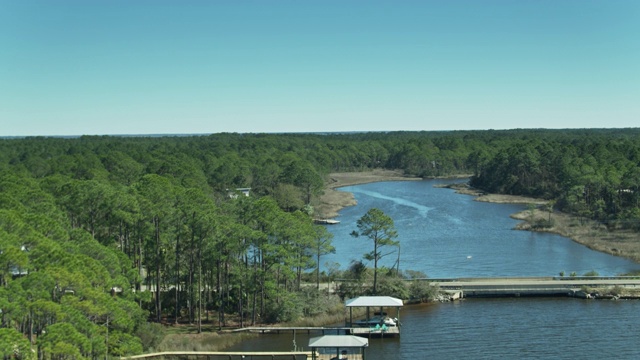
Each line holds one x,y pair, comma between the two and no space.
588,233
333,200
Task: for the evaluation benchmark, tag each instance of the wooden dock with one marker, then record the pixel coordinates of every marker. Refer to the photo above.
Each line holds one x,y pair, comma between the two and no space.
375,333
284,329
210,355
358,331
333,356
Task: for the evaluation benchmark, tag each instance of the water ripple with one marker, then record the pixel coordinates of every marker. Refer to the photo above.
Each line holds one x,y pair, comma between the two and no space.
422,210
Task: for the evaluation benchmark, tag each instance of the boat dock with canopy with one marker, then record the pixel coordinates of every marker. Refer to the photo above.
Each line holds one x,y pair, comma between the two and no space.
334,347
378,325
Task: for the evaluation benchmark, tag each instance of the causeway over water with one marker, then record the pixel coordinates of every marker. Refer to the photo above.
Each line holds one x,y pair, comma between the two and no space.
532,286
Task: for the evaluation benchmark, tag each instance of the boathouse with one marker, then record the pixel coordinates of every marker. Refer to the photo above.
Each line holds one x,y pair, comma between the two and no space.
379,323
330,347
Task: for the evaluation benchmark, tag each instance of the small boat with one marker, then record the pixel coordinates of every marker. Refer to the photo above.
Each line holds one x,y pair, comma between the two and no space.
377,320
326,221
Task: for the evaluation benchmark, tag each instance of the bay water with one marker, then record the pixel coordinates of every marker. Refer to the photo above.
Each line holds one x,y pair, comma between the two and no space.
448,235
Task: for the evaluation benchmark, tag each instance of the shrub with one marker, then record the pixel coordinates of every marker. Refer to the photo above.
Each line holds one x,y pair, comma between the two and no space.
350,289
150,334
539,224
616,291
591,273
392,286
422,291
315,302
289,307
413,274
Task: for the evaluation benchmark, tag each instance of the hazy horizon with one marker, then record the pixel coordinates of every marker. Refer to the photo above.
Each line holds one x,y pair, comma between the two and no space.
294,133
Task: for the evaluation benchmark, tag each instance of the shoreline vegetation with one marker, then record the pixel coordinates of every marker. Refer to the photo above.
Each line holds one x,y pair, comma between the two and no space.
586,232
186,338
334,200
592,234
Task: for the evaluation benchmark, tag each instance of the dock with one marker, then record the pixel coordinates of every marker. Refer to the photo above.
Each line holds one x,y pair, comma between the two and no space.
347,347
384,325
333,356
210,355
369,332
294,329
375,333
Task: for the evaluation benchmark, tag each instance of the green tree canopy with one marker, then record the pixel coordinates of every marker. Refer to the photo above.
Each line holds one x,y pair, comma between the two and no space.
379,228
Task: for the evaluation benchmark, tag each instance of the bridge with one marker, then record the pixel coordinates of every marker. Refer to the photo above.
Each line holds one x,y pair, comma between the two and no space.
533,286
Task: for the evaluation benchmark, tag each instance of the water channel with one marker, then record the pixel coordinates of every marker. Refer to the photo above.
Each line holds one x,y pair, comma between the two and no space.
447,235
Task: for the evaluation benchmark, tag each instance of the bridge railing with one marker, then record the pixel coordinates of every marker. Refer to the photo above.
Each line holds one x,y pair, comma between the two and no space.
508,278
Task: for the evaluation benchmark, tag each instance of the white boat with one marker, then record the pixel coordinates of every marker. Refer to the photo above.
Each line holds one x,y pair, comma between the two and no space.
377,320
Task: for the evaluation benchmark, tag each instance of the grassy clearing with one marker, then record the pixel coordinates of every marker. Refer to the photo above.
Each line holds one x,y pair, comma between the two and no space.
186,337
327,319
190,340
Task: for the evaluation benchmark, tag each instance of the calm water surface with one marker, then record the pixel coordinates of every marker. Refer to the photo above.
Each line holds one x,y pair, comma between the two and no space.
449,235
445,234
523,328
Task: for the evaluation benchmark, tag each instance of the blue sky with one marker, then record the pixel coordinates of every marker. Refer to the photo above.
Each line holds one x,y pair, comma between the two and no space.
155,67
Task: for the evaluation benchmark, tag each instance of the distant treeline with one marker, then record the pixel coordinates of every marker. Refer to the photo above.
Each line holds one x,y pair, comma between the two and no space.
88,223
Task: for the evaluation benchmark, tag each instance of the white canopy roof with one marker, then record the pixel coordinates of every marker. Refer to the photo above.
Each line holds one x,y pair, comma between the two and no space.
338,341
363,301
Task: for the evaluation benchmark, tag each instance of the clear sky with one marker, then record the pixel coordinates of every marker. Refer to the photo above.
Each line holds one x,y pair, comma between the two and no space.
154,67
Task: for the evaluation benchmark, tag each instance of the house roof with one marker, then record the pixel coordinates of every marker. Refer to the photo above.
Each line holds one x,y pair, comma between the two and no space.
374,301
338,341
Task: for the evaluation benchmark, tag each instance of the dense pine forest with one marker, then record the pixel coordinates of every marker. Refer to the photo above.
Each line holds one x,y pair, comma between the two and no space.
91,226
